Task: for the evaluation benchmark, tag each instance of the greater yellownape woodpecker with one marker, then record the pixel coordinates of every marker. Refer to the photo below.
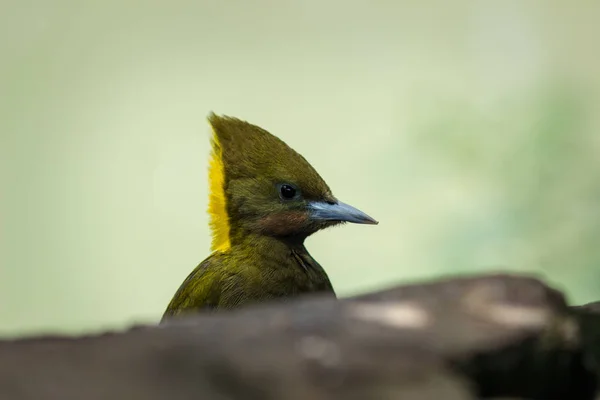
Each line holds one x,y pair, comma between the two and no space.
265,200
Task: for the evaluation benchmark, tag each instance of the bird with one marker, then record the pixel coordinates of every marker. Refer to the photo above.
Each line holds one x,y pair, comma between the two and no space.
265,199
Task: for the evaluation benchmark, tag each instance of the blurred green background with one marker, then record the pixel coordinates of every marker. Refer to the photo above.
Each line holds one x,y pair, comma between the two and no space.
469,129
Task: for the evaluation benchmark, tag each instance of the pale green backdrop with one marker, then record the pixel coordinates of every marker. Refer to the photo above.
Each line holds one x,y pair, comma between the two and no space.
469,129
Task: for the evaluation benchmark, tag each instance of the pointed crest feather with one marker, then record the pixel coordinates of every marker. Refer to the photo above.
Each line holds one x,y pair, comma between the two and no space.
217,208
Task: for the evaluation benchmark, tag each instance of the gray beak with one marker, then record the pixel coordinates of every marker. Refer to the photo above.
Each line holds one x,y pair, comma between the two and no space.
323,211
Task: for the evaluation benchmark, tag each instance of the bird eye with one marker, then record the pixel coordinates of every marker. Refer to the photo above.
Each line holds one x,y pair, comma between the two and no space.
287,191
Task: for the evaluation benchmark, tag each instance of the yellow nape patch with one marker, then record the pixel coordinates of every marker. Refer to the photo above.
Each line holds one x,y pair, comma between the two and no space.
219,220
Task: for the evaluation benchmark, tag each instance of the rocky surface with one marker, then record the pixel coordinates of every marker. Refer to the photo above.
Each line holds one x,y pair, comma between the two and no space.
482,337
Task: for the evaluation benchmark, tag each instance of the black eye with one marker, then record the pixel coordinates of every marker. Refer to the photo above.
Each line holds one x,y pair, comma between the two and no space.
287,191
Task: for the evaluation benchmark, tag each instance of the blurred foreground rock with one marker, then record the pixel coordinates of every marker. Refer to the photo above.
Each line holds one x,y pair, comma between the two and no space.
487,337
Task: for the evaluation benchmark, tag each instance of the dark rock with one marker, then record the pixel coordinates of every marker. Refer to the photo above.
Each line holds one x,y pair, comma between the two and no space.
591,307
530,341
463,338
588,322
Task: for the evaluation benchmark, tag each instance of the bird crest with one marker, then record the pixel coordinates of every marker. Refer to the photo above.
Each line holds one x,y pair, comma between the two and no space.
219,220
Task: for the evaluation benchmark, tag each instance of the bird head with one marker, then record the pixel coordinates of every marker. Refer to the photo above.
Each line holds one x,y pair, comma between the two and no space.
258,184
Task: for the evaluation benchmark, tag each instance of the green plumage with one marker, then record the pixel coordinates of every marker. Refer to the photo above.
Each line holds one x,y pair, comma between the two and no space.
258,271
266,259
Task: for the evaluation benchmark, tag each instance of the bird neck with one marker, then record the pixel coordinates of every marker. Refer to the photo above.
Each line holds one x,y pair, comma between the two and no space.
283,260
269,245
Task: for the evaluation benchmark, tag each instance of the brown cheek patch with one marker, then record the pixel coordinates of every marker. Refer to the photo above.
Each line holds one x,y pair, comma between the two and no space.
284,223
